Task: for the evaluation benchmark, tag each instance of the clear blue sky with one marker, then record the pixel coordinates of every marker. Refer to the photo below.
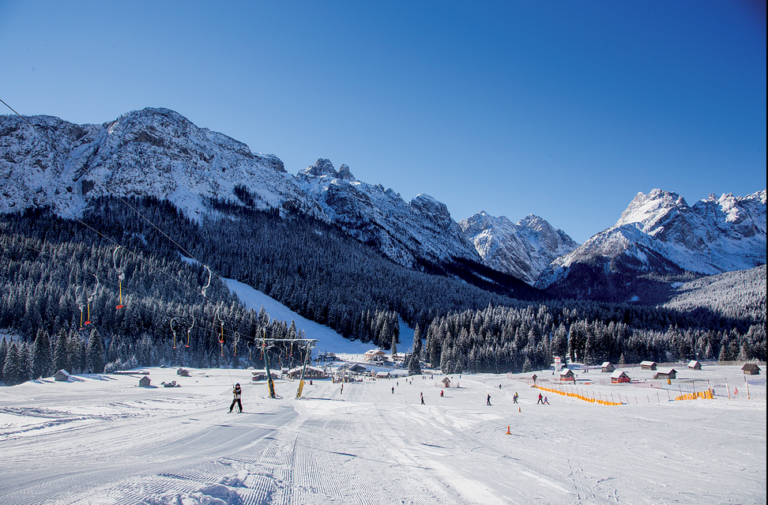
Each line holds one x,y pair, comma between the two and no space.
561,109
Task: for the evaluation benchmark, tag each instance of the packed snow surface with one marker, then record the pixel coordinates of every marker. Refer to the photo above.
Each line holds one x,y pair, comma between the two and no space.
102,439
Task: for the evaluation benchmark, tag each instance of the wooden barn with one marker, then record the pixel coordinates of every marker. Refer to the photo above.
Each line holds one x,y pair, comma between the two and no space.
183,372
647,365
751,369
567,375
618,377
446,382
606,367
694,365
61,375
666,373
144,382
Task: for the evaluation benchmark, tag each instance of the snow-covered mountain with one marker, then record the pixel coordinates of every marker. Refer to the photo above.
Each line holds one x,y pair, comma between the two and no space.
159,153
660,233
524,249
422,228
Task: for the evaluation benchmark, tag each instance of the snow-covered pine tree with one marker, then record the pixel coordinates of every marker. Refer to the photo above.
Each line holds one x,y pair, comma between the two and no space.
42,357
12,367
60,357
3,354
414,367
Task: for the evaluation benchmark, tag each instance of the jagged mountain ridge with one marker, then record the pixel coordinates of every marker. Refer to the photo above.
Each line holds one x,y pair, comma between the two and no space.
660,234
158,153
524,249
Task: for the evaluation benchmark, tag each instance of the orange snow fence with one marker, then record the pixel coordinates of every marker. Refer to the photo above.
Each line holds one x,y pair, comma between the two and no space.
703,395
579,396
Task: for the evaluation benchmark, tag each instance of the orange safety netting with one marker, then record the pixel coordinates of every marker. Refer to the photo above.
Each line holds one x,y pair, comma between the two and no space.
579,396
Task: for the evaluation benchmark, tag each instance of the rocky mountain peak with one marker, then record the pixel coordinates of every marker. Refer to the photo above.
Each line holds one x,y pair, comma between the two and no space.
321,167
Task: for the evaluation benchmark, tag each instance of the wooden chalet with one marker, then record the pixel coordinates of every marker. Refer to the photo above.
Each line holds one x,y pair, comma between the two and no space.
647,365
666,373
566,374
607,367
619,377
751,369
694,365
61,375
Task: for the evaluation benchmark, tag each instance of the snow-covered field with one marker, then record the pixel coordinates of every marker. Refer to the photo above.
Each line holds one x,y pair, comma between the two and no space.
103,439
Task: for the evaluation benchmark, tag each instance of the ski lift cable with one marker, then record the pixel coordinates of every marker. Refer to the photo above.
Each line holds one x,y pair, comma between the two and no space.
214,330
107,189
113,241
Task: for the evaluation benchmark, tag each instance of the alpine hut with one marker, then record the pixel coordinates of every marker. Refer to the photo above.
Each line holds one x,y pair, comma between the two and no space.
61,375
665,373
751,369
694,365
606,367
618,377
566,374
647,365
144,382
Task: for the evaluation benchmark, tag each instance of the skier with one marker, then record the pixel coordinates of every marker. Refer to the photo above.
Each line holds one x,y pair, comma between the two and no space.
545,400
342,388
422,398
393,389
441,393
488,400
541,400
236,399
514,398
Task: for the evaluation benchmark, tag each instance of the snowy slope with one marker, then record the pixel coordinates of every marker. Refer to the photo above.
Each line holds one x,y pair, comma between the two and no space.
740,292
661,233
524,249
102,440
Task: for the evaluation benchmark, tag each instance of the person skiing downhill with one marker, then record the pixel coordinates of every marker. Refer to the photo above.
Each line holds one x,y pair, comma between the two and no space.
422,398
236,392
514,398
441,393
541,399
488,400
393,389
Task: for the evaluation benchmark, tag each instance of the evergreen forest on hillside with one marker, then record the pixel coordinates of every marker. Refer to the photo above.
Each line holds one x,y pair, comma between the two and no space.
57,272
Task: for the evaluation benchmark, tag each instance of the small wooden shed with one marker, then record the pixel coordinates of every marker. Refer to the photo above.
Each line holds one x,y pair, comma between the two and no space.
666,373
61,375
446,382
751,369
618,377
183,372
144,382
647,365
566,374
694,365
607,367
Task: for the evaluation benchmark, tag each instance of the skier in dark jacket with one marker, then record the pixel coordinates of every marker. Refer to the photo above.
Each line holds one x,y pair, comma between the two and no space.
488,400
236,392
422,398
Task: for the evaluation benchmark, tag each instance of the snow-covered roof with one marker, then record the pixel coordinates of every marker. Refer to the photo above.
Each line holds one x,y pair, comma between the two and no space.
618,373
566,371
666,370
606,363
374,351
647,363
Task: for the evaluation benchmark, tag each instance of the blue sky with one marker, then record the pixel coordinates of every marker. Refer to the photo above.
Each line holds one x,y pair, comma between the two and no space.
561,109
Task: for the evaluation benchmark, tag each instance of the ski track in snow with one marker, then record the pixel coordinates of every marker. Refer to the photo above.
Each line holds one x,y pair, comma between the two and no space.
98,441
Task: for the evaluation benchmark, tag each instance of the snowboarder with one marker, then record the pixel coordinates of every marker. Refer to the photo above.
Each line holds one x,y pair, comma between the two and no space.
488,400
514,398
422,398
541,400
236,392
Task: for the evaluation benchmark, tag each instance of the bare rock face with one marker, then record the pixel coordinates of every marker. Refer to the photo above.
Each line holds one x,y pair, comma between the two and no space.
524,249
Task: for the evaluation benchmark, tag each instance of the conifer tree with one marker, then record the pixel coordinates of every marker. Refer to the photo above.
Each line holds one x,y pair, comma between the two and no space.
42,357
60,359
3,354
414,367
94,354
12,367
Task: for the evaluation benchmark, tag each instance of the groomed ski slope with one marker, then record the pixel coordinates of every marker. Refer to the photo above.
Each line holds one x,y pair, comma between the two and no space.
103,439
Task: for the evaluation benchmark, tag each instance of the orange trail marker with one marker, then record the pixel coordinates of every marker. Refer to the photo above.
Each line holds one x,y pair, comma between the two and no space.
508,432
